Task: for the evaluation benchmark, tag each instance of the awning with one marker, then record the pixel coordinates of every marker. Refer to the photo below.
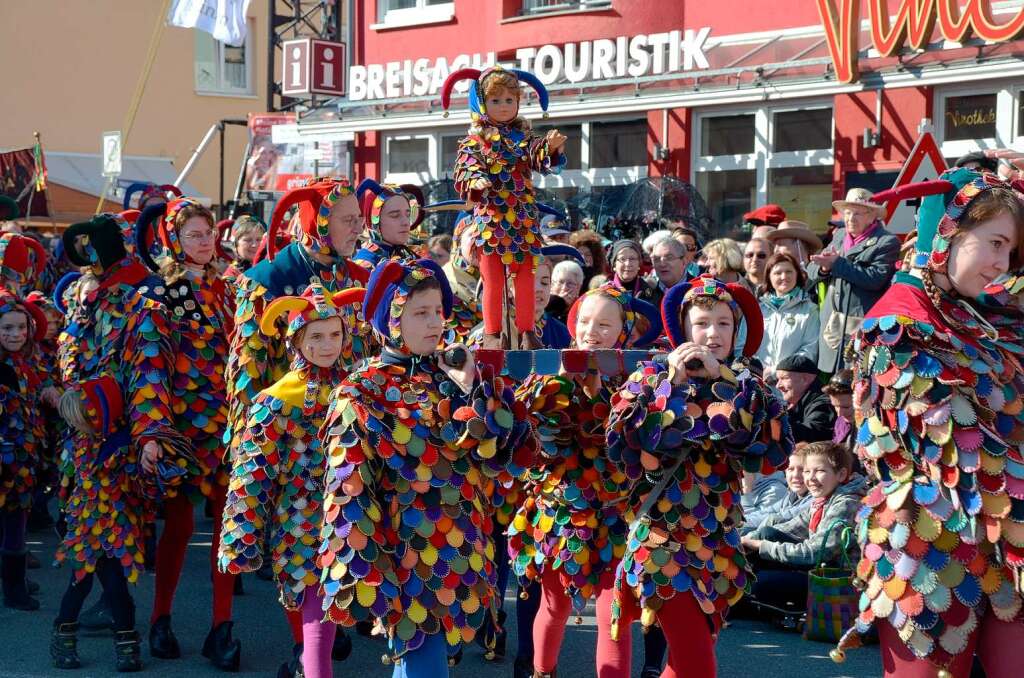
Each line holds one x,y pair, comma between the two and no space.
84,172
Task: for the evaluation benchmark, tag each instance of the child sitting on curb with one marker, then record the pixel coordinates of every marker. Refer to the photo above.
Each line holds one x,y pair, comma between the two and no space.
796,499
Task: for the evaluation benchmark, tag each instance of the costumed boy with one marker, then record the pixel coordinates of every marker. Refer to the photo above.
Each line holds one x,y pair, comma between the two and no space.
391,213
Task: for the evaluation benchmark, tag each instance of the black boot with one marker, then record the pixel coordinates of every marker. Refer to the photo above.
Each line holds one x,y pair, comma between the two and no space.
163,644
342,645
98,617
221,649
15,592
293,667
64,646
127,651
239,588
523,667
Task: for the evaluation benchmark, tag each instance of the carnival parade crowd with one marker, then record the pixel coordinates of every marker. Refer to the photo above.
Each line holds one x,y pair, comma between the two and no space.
397,432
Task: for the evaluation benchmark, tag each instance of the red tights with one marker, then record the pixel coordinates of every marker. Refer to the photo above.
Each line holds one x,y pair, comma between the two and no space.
493,273
691,647
170,556
996,642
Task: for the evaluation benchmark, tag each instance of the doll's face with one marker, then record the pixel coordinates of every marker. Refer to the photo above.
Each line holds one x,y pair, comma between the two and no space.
322,341
502,105
198,240
598,323
712,327
422,321
979,256
345,224
395,220
13,331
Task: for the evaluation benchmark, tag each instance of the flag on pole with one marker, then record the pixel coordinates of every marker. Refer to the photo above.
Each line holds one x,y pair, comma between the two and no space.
223,19
40,165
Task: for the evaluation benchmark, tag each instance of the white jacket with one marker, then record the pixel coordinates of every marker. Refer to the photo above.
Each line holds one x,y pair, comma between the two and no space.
789,330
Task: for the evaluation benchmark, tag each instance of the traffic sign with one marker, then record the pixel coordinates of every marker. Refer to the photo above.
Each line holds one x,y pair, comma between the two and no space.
111,145
924,163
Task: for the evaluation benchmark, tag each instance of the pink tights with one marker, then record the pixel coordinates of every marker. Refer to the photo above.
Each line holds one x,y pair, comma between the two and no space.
691,647
317,637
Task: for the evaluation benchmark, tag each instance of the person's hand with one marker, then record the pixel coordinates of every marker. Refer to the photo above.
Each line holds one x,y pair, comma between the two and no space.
825,258
750,544
687,352
480,184
50,396
555,140
463,376
151,454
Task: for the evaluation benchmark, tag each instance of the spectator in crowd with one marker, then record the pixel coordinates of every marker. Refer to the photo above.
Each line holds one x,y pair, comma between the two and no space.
783,550
761,493
669,259
795,500
439,248
653,239
766,215
724,260
794,237
755,258
856,268
627,259
810,413
761,232
553,230
591,246
791,325
839,390
688,238
567,281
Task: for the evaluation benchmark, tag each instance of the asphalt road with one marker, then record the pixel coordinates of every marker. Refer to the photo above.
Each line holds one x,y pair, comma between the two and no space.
746,648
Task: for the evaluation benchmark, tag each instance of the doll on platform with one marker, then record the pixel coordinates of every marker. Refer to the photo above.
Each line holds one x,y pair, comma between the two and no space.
275,497
391,213
414,442
200,305
682,430
570,529
493,172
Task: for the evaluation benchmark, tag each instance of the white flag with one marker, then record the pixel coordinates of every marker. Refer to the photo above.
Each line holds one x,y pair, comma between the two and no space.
223,19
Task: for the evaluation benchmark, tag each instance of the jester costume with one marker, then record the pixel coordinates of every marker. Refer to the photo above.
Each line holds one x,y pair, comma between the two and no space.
276,498
683,448
938,404
505,215
372,197
411,463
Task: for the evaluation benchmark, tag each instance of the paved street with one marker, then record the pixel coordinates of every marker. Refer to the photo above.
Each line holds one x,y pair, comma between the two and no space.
745,649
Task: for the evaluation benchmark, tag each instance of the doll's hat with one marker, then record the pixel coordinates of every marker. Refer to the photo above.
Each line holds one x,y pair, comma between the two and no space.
476,94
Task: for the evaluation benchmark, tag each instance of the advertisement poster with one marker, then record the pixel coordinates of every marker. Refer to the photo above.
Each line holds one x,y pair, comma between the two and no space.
277,168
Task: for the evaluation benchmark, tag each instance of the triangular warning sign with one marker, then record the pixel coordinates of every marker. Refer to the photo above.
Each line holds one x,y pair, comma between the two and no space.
924,163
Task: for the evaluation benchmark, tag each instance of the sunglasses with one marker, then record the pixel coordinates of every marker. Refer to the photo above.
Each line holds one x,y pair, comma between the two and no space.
751,255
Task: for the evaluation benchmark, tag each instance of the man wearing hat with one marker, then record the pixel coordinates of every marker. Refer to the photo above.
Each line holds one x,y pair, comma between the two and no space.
856,268
767,215
810,412
796,238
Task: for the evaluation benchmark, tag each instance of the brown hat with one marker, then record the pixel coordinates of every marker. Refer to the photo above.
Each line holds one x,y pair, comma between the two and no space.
860,197
796,230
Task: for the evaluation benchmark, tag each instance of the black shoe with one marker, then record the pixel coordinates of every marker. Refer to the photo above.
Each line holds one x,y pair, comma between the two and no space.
98,617
239,589
342,645
16,596
64,646
293,667
523,667
127,651
493,641
650,672
163,644
31,562
221,649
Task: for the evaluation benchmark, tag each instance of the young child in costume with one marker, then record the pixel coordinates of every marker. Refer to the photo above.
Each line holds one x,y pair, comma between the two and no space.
116,364
22,260
391,213
570,530
276,492
413,447
493,172
200,305
938,382
245,234
682,431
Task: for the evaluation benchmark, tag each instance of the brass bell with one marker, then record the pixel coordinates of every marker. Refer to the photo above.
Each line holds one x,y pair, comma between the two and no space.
445,114
944,673
523,595
579,620
490,655
837,655
385,659
858,583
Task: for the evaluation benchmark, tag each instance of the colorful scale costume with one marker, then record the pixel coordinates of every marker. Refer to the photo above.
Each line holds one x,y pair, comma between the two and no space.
412,458
939,401
372,197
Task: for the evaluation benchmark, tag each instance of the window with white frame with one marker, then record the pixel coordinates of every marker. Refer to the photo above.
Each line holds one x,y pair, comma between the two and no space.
395,13
782,155
410,159
222,68
973,119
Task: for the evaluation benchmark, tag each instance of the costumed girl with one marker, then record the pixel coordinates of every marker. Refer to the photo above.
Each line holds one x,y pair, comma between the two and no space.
683,431
149,194
276,494
22,261
200,306
413,446
21,326
570,530
937,401
493,172
116,360
245,235
391,213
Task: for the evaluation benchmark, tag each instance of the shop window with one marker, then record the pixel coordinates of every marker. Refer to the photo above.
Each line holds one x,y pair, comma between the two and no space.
395,13
729,194
408,156
618,144
221,68
449,150
970,117
573,147
803,130
805,193
727,135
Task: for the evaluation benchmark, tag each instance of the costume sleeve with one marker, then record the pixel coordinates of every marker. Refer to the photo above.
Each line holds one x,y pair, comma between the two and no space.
874,274
547,399
470,166
356,553
253,487
542,159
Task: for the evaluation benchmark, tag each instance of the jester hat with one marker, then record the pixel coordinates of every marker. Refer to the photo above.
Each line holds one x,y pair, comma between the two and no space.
61,289
163,219
632,309
388,289
315,303
22,259
743,304
372,197
148,190
106,239
477,109
10,303
560,250
315,201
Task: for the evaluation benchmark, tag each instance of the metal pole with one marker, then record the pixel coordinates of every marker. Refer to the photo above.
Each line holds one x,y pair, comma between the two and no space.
195,155
46,187
271,46
220,199
241,178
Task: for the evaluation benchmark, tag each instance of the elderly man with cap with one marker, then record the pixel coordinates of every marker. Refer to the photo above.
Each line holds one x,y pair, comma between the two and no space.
856,269
810,412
